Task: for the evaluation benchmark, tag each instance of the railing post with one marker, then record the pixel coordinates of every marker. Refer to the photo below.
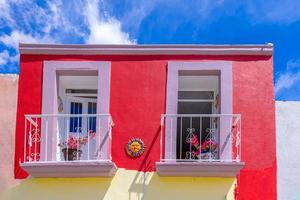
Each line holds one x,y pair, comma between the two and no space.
110,137
180,138
30,143
190,135
200,137
25,139
161,136
35,140
240,140
77,138
46,140
88,136
67,137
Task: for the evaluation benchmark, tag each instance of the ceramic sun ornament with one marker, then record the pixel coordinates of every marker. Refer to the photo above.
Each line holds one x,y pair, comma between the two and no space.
135,147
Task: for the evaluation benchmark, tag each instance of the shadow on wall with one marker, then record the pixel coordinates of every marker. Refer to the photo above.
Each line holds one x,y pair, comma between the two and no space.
126,184
150,186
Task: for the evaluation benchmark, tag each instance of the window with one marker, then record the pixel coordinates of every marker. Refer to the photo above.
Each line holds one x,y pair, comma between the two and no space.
78,93
199,105
71,111
202,88
196,95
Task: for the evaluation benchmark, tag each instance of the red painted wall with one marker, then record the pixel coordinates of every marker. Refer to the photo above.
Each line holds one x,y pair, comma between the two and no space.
136,103
29,102
253,94
137,100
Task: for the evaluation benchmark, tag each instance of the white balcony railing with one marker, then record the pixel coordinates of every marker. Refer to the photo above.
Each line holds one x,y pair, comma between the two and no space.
203,137
67,138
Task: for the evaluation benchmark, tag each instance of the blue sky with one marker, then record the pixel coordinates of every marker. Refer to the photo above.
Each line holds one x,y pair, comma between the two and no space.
158,21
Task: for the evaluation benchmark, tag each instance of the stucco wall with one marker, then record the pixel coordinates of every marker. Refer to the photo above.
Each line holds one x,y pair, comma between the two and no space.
254,100
288,148
126,184
138,100
8,99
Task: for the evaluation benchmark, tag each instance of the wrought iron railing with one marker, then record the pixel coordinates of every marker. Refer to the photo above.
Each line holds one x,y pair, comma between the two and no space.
67,137
200,137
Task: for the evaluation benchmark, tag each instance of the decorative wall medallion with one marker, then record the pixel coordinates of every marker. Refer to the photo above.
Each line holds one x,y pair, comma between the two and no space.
135,147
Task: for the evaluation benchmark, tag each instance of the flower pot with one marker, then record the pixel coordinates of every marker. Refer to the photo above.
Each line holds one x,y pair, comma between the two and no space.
71,154
209,154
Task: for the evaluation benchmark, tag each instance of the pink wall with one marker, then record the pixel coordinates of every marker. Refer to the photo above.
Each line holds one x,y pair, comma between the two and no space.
8,104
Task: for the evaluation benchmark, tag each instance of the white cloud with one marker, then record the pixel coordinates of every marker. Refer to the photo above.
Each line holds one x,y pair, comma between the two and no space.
4,13
290,78
282,11
13,39
286,81
293,64
4,57
55,22
63,20
135,12
55,18
279,11
105,31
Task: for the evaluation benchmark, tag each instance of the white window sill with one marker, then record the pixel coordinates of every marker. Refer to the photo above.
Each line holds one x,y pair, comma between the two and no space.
199,169
70,169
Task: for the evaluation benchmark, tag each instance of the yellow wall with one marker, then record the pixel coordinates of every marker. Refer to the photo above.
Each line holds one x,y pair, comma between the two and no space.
126,184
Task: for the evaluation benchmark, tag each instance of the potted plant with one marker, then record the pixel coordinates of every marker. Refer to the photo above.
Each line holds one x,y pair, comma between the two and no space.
206,150
209,149
71,148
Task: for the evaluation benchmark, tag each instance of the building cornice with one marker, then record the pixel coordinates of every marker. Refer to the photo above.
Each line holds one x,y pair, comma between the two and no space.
102,49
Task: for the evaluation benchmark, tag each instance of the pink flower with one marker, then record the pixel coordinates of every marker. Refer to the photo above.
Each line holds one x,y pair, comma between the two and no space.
196,153
91,134
75,142
193,140
209,145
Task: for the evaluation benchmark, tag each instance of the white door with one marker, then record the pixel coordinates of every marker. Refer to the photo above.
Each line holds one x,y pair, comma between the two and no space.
80,126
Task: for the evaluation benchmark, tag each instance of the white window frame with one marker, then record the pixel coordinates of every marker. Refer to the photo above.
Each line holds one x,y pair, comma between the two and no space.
196,67
49,98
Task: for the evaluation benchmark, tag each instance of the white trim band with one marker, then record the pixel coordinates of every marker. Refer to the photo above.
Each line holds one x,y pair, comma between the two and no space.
93,49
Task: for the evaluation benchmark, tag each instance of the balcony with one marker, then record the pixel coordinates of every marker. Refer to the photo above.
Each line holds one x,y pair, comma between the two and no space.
68,145
200,145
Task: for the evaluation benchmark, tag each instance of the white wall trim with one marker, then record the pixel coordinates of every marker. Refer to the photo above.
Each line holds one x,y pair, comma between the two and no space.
85,49
225,69
49,98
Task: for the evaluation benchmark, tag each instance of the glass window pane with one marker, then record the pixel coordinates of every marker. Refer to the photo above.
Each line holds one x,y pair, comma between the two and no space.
194,107
75,122
195,95
92,109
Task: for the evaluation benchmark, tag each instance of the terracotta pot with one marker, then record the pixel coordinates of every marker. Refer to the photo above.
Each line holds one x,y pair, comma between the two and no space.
71,154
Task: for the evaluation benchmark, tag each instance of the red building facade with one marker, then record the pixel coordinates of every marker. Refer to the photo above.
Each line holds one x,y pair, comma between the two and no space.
137,81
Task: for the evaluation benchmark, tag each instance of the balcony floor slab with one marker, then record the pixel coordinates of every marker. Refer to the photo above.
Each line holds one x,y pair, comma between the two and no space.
199,169
70,169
